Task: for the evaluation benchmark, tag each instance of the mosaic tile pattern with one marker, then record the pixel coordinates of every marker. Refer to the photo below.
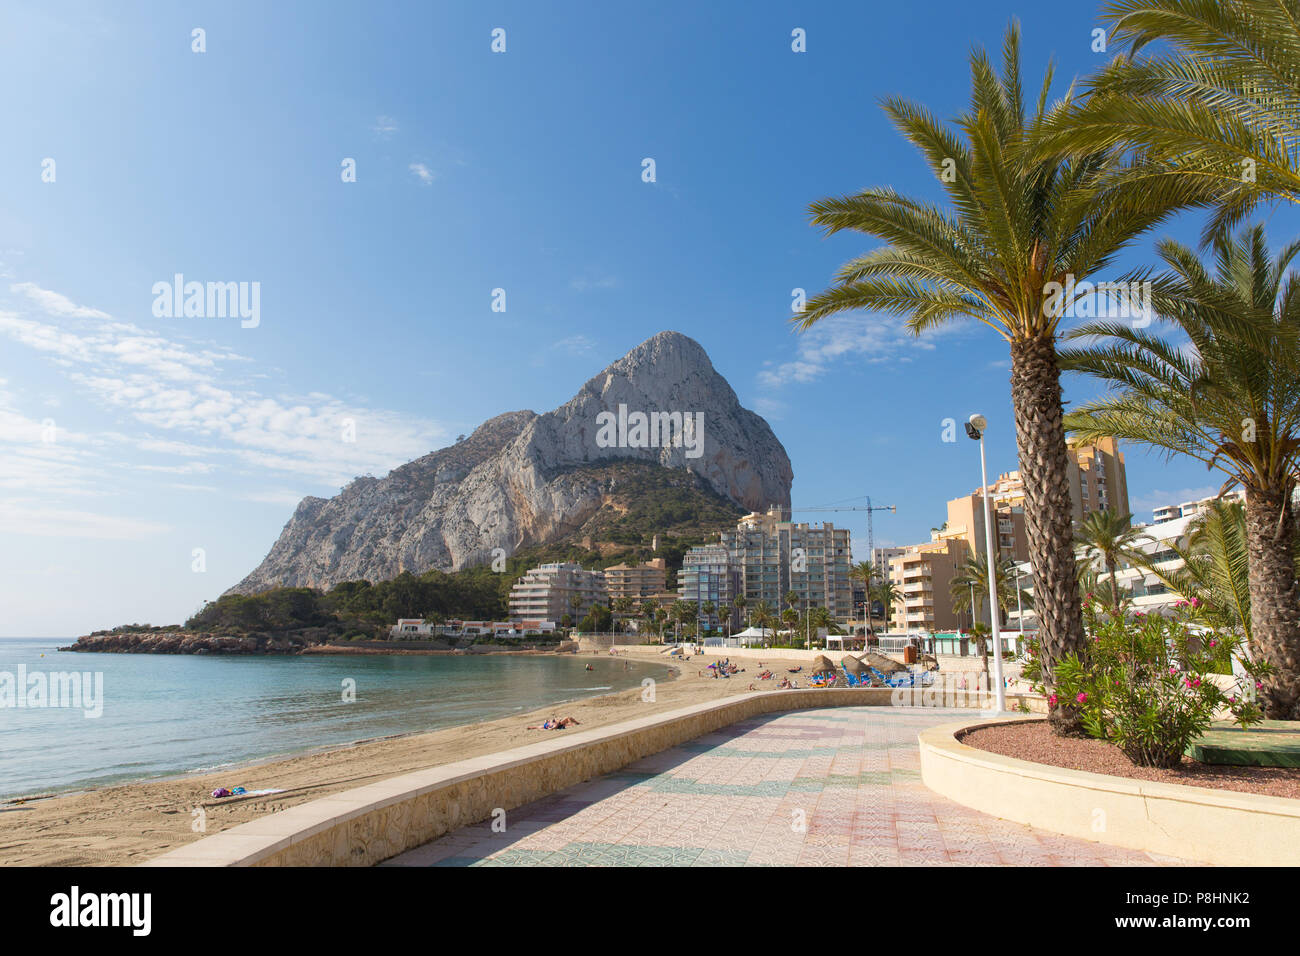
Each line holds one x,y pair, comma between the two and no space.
835,787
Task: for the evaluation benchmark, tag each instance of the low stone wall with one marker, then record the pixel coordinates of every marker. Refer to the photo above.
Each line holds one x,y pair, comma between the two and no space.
1222,827
369,824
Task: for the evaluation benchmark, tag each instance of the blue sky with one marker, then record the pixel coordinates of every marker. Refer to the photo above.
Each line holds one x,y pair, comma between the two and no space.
475,171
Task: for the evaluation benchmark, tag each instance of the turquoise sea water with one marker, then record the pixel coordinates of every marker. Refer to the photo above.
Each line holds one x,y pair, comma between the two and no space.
171,714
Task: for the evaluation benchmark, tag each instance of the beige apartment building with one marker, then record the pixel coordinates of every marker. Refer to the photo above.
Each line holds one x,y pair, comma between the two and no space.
637,581
923,573
547,592
966,523
1098,480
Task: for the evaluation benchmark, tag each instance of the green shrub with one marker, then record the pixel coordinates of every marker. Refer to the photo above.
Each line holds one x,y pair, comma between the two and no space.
1143,684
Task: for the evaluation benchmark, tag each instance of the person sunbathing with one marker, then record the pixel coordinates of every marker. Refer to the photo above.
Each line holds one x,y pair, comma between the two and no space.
545,725
566,722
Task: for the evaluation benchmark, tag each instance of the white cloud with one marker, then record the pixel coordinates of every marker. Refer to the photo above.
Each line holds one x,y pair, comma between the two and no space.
385,126
868,338
195,405
423,173
52,303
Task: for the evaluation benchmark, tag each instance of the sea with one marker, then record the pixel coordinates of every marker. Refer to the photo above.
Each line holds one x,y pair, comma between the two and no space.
165,715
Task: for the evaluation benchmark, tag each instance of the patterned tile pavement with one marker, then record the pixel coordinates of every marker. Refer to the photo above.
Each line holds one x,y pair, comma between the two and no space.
834,787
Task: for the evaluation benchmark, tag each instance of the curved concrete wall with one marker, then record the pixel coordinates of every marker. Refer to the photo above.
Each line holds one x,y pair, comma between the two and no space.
366,825
1223,827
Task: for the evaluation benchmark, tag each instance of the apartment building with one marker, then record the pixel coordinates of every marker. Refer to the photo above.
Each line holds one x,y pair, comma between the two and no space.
770,556
558,590
1097,477
1189,509
966,523
923,574
707,577
636,581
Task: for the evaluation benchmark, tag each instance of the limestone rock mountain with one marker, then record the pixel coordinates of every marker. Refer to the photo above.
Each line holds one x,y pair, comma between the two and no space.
523,480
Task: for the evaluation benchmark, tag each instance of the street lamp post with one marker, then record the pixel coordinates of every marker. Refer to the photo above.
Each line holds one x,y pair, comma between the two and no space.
975,429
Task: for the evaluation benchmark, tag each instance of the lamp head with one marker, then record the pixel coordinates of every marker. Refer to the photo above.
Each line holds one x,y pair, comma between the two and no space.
979,421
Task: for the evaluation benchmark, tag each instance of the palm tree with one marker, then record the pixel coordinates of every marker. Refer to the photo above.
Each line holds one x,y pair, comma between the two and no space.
724,616
763,616
1215,568
1019,229
1229,398
790,617
1110,537
708,610
973,573
972,578
1220,108
623,607
648,609
739,602
1090,582
865,572
888,594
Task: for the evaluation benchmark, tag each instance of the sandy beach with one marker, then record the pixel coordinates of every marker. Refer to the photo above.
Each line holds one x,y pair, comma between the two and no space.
128,824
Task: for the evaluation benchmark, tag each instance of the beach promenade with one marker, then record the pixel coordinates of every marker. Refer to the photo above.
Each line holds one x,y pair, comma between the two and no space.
827,787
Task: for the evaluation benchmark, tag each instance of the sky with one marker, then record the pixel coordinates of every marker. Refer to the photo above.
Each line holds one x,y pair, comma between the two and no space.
149,459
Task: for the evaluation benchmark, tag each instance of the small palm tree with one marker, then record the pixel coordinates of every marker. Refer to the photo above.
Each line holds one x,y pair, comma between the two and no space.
708,609
1019,229
648,609
739,603
1215,570
724,616
762,616
1231,399
888,594
865,572
1111,538
973,575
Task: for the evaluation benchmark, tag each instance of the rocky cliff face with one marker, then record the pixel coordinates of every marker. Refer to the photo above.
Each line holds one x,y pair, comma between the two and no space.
524,479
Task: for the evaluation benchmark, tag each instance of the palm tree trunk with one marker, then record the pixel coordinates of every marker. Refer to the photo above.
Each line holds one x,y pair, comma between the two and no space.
1044,466
1114,584
1274,599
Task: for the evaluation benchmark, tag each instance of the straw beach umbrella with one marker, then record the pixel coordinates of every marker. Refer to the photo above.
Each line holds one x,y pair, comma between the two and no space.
881,663
823,665
853,665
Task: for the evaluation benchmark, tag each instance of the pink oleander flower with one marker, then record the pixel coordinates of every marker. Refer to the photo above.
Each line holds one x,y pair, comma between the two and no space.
1081,697
1259,685
1052,700
1214,643
1173,670
1196,602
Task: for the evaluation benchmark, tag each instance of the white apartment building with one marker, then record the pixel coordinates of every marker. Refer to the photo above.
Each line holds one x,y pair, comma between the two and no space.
553,591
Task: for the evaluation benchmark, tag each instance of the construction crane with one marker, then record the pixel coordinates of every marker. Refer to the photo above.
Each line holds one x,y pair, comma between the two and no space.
868,508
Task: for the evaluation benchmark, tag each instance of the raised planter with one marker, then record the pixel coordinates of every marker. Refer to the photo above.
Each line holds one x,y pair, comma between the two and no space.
1222,827
369,824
